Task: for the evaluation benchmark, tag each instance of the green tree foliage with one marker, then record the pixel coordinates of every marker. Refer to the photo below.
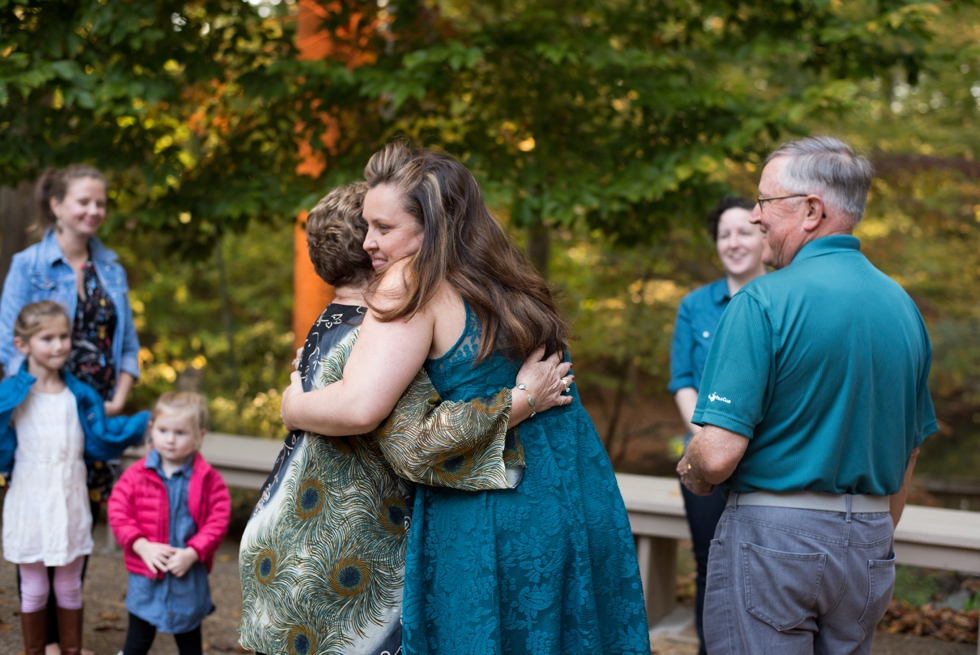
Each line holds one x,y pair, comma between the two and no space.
622,113
618,113
193,106
178,306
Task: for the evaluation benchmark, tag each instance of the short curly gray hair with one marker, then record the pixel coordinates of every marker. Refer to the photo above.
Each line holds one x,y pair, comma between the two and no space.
335,232
827,167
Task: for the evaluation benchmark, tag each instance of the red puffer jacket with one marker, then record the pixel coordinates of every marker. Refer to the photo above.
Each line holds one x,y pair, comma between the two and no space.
139,507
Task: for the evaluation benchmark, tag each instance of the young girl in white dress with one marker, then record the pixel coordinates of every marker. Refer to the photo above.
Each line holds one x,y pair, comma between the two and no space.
50,422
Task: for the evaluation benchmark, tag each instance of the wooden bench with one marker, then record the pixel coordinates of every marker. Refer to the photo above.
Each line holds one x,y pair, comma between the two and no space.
926,536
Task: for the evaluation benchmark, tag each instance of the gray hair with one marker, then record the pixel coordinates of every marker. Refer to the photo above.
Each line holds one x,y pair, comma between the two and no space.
827,167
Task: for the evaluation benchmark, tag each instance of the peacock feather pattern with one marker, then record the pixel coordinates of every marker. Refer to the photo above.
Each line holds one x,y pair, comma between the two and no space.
322,559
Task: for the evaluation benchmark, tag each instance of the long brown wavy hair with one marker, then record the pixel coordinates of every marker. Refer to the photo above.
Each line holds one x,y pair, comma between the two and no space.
464,244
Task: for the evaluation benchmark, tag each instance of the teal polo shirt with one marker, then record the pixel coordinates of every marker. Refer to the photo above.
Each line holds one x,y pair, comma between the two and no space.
823,366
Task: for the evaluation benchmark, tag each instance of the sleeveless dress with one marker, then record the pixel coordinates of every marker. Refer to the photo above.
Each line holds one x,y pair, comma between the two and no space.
548,568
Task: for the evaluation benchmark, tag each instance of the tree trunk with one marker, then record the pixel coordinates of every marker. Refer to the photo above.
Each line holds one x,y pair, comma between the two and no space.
622,388
539,245
17,213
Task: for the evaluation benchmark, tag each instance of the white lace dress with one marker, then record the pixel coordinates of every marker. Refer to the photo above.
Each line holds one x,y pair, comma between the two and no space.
46,514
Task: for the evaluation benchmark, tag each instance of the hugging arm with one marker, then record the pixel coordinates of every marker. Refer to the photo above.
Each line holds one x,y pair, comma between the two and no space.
382,364
447,444
464,445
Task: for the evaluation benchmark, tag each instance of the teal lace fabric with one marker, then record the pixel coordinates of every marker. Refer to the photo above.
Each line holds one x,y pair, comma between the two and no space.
548,568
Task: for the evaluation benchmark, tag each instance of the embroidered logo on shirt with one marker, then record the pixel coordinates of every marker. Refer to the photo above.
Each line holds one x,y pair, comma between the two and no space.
713,397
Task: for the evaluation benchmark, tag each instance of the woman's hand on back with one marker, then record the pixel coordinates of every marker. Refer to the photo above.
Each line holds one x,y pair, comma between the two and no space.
547,381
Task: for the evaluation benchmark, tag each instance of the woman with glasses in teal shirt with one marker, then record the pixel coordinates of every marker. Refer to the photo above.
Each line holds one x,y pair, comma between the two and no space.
740,247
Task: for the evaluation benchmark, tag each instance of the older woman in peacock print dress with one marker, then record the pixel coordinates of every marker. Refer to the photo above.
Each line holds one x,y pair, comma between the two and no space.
322,558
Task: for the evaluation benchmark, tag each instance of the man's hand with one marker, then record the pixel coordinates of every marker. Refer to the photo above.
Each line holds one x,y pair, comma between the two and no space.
690,480
181,561
155,556
711,458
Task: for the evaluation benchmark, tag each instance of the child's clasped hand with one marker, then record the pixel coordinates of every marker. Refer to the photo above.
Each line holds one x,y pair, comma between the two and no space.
164,558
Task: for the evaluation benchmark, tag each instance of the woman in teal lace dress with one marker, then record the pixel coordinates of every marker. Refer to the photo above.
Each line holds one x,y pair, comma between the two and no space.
548,568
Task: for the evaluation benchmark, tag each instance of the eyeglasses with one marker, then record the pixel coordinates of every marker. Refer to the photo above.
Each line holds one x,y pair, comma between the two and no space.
760,200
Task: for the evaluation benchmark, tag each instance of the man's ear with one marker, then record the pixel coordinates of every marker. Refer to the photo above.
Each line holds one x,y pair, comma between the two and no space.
815,212
22,346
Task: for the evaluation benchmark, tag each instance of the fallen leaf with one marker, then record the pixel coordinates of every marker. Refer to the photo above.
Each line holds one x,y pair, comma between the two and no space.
108,627
109,616
224,558
224,646
944,624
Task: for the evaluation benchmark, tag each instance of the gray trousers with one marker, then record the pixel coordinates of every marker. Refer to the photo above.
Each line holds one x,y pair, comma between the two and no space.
793,581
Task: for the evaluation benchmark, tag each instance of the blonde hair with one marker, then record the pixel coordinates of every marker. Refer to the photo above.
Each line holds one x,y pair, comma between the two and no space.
184,403
35,316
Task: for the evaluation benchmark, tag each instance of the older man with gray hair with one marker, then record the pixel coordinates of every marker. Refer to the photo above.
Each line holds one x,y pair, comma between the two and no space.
814,403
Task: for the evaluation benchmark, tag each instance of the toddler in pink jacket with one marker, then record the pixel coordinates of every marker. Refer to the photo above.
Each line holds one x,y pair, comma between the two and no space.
170,511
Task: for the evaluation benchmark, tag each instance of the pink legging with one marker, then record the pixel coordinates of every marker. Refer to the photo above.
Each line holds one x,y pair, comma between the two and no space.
34,587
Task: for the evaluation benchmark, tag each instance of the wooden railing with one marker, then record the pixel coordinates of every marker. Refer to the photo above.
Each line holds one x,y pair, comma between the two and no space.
926,536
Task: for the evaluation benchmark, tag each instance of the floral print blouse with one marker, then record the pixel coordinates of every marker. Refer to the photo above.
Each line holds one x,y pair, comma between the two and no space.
91,359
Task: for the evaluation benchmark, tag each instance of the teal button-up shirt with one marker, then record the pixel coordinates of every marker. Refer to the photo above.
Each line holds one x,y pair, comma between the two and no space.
694,330
823,366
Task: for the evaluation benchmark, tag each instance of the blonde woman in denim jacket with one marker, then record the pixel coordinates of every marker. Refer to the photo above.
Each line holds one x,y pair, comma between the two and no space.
71,266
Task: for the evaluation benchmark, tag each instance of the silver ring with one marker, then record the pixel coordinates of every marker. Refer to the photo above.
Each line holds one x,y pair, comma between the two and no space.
565,384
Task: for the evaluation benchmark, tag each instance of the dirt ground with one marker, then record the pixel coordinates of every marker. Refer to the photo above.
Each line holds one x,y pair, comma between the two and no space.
105,609
105,613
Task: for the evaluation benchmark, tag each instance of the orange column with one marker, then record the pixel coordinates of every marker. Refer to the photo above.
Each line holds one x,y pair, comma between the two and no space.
310,293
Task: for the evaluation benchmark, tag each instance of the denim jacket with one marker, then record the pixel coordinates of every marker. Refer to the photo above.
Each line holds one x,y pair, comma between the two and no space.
41,272
105,437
